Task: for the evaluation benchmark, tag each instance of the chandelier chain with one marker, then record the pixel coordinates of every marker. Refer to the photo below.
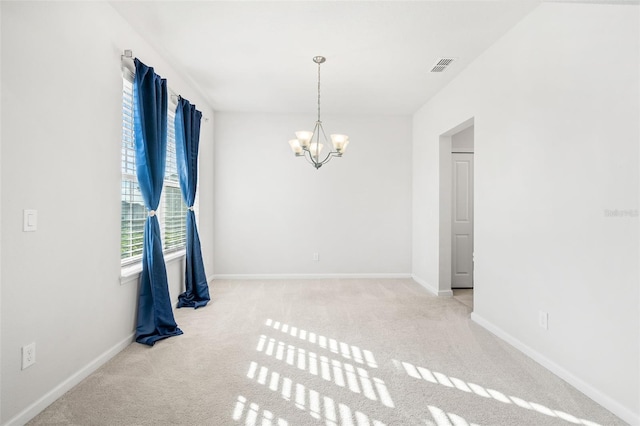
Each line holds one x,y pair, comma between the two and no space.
318,91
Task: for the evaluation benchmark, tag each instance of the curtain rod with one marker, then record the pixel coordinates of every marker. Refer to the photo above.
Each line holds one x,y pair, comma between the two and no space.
129,66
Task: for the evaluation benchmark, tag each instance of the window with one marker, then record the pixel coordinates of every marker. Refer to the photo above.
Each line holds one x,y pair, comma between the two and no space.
173,207
172,210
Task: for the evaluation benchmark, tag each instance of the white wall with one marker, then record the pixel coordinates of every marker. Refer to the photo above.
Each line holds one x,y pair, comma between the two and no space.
273,211
0,215
462,141
555,109
61,135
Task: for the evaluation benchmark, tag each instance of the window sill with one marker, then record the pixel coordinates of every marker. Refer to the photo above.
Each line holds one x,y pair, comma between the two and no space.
132,272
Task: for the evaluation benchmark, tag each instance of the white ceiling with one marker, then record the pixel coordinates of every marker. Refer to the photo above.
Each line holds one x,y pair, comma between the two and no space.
257,56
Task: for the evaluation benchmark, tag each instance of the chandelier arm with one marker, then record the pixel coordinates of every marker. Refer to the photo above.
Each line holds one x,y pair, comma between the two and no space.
310,159
323,133
316,133
329,157
315,129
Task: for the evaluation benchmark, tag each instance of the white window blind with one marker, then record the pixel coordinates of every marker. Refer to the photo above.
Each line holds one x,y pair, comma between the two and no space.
172,210
133,211
173,207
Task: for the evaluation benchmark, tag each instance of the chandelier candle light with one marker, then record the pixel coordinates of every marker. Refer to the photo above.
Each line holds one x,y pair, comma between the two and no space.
307,144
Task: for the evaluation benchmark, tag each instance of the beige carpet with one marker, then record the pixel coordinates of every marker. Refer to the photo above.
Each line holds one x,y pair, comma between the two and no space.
334,352
464,296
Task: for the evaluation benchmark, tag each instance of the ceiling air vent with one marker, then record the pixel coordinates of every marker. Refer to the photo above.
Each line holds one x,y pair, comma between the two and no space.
442,64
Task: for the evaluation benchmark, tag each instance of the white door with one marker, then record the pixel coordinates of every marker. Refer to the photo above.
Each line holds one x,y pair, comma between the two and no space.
462,221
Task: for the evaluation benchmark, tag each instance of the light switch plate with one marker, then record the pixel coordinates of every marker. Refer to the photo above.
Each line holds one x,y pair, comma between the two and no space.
30,221
543,320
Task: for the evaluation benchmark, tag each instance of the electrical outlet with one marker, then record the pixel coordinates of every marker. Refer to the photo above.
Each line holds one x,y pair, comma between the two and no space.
543,320
28,355
316,257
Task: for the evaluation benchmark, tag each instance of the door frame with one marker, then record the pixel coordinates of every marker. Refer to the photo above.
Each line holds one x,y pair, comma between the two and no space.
446,189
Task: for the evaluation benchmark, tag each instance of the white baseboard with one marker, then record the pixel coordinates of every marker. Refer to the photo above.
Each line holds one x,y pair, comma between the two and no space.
305,276
606,401
34,409
430,288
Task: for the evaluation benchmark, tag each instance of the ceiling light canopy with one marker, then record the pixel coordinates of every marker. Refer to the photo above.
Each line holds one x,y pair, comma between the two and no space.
307,144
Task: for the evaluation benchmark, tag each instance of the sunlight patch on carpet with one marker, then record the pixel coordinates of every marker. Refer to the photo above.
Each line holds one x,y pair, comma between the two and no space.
350,352
343,374
447,419
435,377
320,407
253,415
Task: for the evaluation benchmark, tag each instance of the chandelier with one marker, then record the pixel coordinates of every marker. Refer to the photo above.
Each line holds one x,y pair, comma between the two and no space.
307,144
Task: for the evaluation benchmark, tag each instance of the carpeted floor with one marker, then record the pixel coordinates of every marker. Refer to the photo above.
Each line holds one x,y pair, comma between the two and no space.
464,296
334,352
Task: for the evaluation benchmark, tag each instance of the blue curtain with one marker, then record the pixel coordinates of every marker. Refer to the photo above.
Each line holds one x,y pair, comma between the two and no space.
155,313
187,125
